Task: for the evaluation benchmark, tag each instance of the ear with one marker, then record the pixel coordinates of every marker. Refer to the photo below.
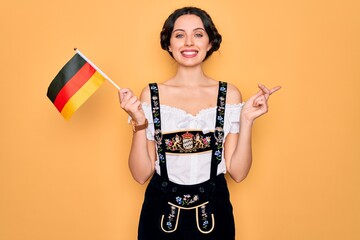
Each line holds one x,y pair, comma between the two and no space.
209,47
169,48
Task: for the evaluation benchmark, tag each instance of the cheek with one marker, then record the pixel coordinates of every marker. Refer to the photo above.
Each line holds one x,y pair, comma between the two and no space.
173,45
205,44
209,45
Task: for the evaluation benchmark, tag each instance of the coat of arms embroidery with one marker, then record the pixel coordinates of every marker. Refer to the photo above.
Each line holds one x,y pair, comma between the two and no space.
187,142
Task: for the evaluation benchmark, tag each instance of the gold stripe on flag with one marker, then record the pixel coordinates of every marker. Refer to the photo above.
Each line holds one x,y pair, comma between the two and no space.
82,95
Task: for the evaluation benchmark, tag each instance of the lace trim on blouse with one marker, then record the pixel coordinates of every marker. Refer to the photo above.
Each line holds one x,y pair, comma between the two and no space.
175,119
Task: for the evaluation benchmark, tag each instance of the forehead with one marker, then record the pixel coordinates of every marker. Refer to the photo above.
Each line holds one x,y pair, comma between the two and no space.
188,22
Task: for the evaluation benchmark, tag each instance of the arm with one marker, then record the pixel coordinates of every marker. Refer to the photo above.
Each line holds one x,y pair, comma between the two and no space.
238,150
142,153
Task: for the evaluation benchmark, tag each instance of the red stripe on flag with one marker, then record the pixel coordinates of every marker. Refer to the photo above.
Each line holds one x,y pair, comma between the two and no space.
73,85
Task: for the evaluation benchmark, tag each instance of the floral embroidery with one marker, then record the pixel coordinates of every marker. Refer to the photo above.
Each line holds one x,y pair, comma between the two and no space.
161,157
217,153
171,218
187,199
157,122
219,132
204,217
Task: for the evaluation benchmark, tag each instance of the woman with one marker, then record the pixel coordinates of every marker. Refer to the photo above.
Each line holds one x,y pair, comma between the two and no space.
187,143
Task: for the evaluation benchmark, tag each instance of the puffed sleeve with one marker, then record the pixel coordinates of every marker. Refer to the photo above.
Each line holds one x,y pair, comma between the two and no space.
234,117
150,130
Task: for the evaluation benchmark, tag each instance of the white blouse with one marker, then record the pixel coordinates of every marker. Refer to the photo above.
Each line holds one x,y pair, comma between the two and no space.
191,168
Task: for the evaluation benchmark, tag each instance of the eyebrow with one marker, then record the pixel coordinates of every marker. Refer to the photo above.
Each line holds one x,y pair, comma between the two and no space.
182,30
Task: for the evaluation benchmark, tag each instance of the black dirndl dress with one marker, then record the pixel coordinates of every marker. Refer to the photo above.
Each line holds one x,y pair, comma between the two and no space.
193,212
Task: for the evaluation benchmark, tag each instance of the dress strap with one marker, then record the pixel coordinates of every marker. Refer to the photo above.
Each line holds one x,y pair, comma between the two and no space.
219,130
155,105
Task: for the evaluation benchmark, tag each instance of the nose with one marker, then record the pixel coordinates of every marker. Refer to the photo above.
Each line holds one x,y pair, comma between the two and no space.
189,41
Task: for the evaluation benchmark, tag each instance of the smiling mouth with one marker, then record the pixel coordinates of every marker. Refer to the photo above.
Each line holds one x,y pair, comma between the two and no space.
191,53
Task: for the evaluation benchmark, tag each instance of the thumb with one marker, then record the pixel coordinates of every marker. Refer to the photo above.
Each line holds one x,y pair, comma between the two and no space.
258,94
251,100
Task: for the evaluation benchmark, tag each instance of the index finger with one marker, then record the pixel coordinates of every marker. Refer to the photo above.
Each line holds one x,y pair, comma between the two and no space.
266,92
274,89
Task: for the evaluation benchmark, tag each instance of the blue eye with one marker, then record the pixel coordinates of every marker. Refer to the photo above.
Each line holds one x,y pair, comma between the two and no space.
179,35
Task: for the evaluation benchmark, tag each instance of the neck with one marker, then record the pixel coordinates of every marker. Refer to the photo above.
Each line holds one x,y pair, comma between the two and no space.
190,76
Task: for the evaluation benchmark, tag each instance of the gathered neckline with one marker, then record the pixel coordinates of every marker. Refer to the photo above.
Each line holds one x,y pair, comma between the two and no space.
202,111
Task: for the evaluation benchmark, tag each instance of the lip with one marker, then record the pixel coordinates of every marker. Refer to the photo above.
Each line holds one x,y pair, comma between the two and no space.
189,53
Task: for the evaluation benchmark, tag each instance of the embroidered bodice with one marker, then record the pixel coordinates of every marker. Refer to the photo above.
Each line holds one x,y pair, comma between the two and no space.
189,162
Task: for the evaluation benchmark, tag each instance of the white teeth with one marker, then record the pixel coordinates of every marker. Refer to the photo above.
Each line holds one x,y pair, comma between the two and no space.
189,53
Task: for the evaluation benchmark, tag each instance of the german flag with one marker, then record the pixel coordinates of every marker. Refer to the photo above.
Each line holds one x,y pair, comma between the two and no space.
73,85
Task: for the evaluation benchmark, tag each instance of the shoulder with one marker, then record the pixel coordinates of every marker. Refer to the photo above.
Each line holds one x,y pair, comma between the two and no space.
233,94
145,94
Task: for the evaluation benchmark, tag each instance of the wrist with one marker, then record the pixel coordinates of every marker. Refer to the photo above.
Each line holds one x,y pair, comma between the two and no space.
139,125
246,122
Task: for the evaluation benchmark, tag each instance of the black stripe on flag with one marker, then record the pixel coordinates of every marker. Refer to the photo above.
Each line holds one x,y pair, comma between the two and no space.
64,75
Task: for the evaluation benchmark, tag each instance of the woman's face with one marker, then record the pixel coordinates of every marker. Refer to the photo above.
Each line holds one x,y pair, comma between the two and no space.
189,41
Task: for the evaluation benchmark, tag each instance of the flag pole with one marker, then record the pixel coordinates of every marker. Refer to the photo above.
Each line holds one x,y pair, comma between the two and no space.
97,69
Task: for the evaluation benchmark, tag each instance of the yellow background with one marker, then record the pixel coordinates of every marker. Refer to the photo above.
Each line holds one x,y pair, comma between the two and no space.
70,180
